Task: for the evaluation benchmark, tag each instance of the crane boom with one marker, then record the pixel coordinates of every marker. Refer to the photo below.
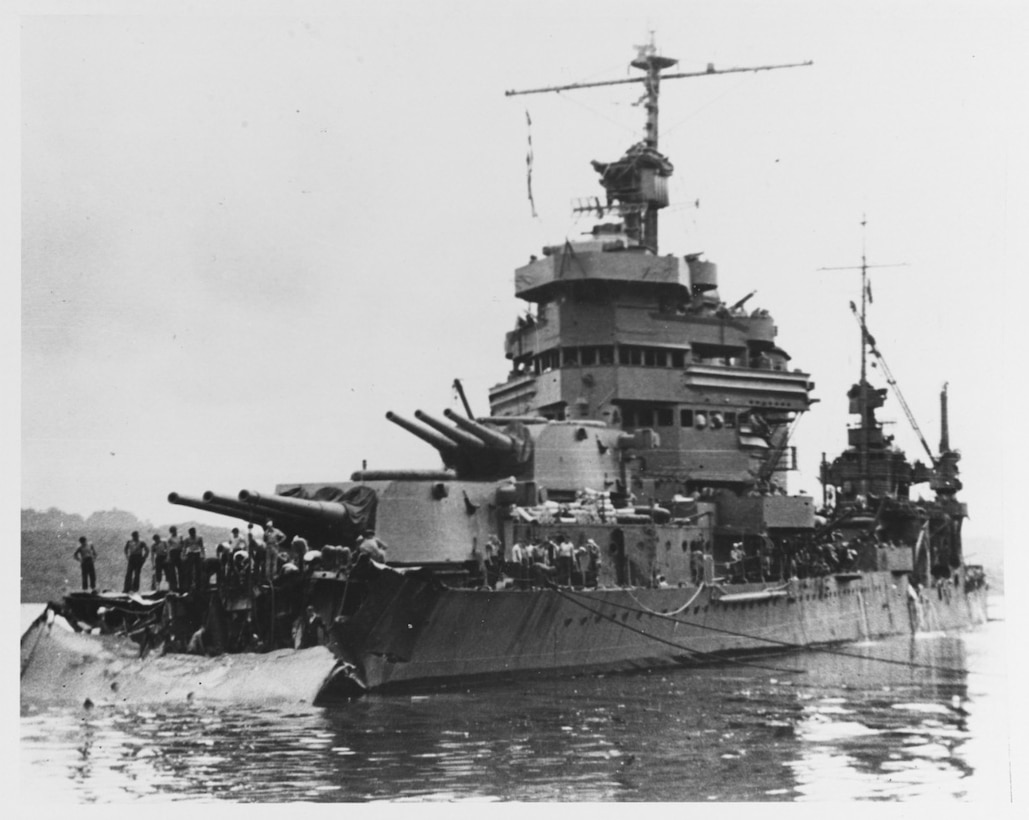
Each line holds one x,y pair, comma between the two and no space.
892,382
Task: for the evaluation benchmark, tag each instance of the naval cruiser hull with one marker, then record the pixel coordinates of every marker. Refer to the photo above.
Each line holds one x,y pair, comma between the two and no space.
416,635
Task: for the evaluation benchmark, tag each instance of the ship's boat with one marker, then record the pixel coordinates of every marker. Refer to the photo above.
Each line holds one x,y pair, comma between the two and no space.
622,505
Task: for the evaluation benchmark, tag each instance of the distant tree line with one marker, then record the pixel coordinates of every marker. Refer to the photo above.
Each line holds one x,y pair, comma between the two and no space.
55,519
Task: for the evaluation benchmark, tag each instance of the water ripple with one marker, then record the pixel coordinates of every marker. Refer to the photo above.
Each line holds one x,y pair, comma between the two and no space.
848,728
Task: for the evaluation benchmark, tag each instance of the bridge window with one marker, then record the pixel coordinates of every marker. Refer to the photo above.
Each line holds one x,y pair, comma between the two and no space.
547,360
678,359
589,356
644,416
571,356
686,418
606,354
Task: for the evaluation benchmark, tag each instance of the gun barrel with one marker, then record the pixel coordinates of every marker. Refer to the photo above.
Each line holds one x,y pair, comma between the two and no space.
743,301
495,440
252,512
459,437
235,510
325,512
403,475
445,446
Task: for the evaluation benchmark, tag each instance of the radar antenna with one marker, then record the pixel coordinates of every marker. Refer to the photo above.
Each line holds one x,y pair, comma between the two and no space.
652,63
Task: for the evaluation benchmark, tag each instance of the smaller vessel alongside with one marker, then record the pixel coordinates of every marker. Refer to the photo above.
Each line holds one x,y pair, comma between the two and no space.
623,504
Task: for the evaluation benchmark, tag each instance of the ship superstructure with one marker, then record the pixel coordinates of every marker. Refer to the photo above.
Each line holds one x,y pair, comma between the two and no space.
873,479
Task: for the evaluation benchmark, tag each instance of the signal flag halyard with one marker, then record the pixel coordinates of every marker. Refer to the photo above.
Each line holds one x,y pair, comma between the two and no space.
528,162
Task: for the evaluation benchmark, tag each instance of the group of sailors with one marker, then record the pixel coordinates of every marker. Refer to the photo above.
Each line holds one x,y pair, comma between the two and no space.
182,564
791,557
548,560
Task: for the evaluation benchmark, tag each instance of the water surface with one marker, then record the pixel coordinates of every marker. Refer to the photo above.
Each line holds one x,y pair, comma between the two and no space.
806,726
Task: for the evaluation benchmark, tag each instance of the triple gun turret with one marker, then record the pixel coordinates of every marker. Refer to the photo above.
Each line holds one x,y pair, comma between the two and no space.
473,449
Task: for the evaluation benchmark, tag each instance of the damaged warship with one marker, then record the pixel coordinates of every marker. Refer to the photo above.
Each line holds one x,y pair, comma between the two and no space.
622,506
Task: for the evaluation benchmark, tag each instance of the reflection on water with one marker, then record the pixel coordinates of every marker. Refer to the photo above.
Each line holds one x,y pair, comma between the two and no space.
824,728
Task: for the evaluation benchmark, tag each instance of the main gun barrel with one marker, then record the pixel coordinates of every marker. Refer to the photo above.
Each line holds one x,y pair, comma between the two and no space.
253,512
235,510
320,513
446,446
459,437
495,440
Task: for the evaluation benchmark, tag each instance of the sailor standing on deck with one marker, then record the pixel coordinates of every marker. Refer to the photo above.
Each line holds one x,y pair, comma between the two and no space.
159,561
193,560
256,551
593,562
736,569
565,553
697,561
517,558
136,552
85,554
174,559
273,539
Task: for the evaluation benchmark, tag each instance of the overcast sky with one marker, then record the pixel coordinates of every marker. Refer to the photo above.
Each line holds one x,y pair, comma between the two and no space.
246,235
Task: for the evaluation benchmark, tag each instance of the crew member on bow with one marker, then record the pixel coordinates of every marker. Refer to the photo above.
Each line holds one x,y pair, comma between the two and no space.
85,554
136,553
158,561
174,559
193,560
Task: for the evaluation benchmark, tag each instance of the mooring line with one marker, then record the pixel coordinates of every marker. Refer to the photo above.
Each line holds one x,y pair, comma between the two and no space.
709,656
789,645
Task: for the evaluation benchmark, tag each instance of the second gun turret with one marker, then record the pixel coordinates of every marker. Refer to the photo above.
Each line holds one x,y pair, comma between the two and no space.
473,449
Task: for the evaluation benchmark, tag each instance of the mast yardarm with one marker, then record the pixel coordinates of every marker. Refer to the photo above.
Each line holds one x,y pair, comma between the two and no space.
638,181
